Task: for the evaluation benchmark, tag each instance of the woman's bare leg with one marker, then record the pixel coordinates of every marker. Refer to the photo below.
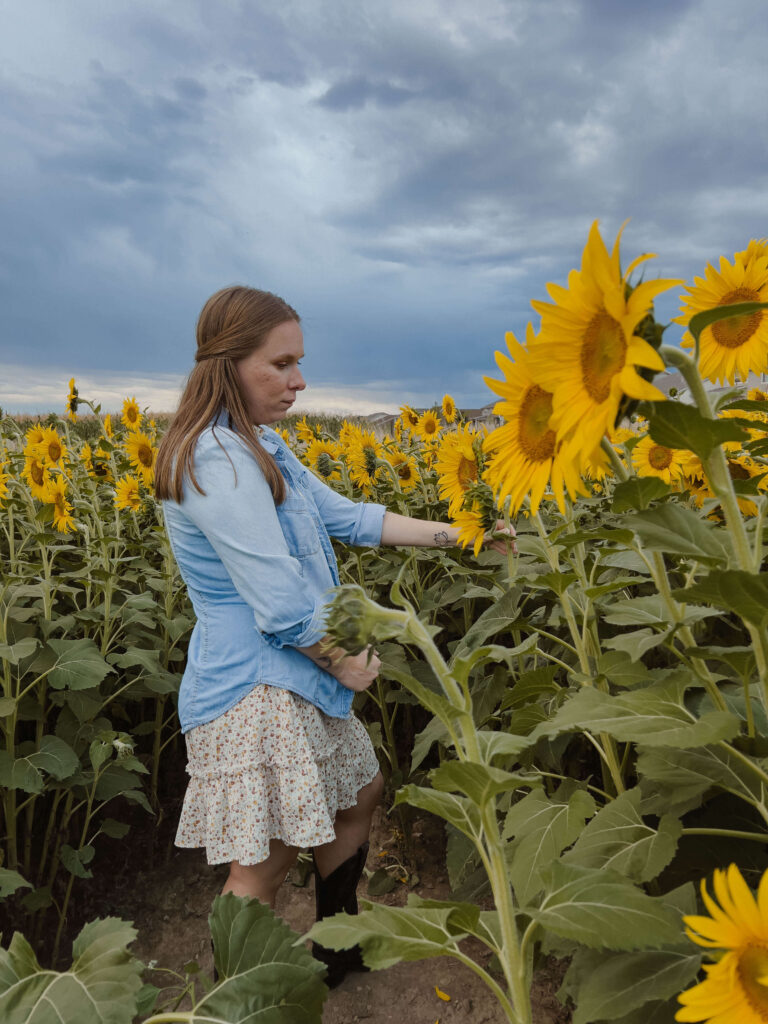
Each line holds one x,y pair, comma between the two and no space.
264,879
352,827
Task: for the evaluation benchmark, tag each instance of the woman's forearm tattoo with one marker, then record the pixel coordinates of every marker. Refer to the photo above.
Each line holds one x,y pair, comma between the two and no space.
441,539
324,661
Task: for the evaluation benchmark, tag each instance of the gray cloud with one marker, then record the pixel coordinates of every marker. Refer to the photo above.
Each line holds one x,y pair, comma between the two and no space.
408,176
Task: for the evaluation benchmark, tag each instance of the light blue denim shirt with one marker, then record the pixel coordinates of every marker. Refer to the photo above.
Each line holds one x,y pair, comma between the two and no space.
258,574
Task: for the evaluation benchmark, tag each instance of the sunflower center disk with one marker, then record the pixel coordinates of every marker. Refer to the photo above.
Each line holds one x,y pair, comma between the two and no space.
467,472
737,330
536,439
660,457
36,471
145,455
370,461
603,351
752,969
54,451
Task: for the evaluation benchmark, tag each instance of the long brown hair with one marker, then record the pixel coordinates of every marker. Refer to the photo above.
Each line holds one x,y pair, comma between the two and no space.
232,323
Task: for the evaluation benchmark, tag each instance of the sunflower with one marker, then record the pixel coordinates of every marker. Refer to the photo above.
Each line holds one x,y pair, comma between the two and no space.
757,395
363,454
304,432
4,478
652,459
37,475
320,456
457,466
428,426
86,454
33,437
127,493
131,414
449,409
740,344
743,468
101,465
142,454
757,247
72,401
283,433
526,453
588,348
51,449
735,990
56,495
409,417
108,430
472,524
406,470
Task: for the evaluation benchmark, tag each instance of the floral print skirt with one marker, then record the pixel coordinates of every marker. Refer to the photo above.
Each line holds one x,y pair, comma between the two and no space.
271,767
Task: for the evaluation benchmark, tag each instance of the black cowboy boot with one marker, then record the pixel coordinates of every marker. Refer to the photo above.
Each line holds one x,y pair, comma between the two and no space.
333,894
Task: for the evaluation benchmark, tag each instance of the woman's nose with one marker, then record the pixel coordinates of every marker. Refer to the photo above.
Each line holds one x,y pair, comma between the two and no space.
297,381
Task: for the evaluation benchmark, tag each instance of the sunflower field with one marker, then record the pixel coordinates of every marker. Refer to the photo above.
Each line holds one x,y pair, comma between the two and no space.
588,714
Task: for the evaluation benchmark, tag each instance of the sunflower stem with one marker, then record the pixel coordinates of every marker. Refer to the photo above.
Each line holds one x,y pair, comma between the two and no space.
618,466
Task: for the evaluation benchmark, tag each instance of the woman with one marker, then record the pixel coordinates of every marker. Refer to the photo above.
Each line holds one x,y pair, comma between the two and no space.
276,760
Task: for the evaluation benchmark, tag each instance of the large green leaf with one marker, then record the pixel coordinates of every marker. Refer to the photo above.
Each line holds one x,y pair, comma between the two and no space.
78,665
738,591
614,984
388,935
100,987
480,782
14,653
676,425
460,812
619,839
677,776
10,881
655,715
603,910
499,616
678,531
55,757
637,493
542,827
266,975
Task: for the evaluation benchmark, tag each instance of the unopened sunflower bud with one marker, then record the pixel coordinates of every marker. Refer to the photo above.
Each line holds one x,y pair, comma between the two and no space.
353,620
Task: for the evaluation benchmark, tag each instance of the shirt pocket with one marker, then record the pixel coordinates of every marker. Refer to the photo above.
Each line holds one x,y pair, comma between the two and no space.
297,525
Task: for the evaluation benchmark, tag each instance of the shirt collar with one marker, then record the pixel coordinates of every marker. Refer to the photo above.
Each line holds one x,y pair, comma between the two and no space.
268,438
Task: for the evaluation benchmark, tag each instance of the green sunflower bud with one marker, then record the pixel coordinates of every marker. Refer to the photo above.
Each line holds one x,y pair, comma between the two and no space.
353,620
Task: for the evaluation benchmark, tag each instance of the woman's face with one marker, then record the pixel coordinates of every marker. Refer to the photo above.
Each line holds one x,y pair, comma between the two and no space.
270,375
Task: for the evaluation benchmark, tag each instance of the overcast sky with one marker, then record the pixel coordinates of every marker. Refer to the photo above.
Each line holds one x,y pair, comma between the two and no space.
408,175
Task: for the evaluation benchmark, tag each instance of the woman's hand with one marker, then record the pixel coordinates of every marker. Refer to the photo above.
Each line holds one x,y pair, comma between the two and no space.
357,671
495,543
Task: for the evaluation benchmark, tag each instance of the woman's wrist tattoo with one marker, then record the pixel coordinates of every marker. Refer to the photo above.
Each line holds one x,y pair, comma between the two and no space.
441,539
324,661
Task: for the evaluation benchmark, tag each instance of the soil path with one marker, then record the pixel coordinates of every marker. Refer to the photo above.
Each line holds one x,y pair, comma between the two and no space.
170,906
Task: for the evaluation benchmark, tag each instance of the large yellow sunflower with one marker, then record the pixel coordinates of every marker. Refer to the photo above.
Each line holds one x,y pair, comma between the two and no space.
449,409
127,493
56,495
740,344
409,417
318,457
652,459
131,414
526,454
457,466
735,990
51,449
142,454
37,475
588,349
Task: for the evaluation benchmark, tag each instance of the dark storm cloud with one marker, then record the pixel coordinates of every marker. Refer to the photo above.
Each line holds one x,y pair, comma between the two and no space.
408,176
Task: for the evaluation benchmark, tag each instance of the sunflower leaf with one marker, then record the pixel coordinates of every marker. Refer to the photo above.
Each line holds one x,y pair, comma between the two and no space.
738,591
707,317
678,531
676,425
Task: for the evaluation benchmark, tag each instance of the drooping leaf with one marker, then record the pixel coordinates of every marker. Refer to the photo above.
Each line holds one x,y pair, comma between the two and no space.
266,975
603,910
678,776
676,425
617,838
655,715
55,757
100,988
460,812
678,531
480,782
614,984
542,828
637,493
736,590
498,617
78,665
10,882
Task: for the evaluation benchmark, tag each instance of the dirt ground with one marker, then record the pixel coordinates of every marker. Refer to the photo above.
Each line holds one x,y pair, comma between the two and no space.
169,905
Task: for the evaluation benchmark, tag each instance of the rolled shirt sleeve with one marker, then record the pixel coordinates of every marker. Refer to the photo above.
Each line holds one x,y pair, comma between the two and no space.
241,524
